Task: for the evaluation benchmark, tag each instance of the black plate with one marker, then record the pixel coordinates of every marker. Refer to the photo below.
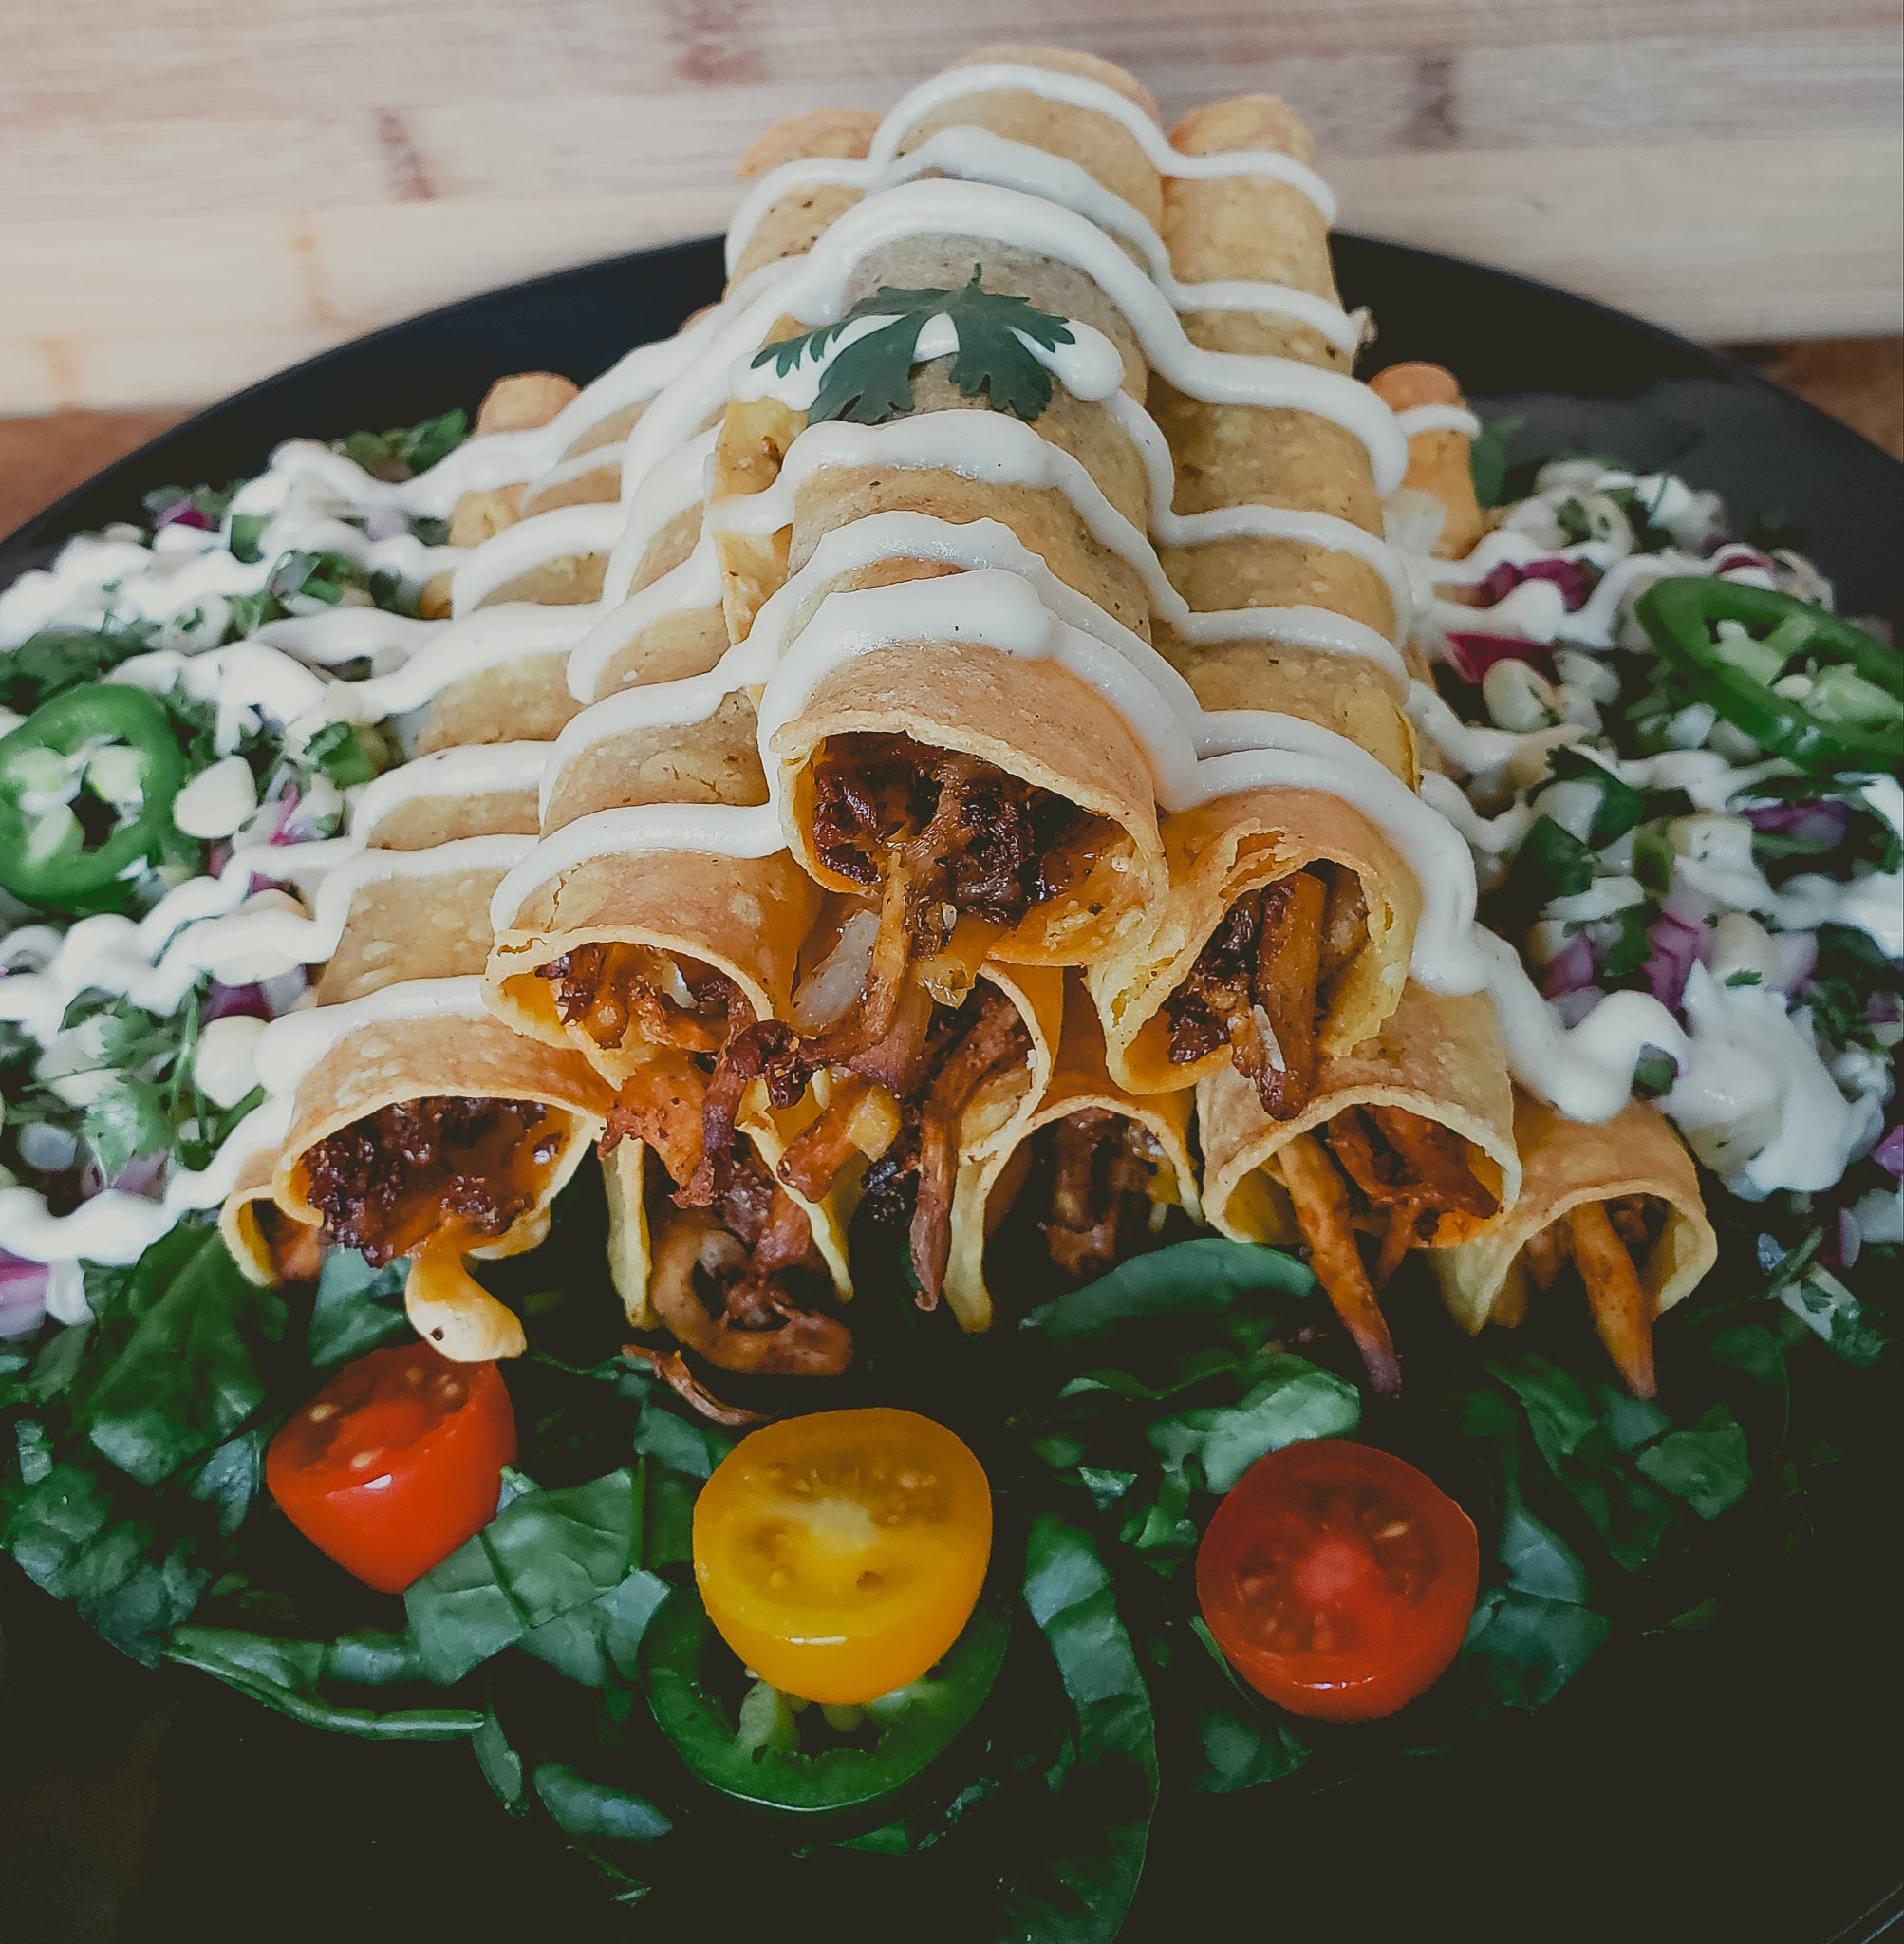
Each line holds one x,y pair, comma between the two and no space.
1739,1784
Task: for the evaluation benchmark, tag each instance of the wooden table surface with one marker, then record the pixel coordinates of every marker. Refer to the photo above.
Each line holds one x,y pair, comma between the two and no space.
194,193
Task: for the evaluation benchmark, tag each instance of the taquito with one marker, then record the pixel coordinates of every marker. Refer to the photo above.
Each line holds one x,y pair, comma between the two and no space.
1618,1202
1083,1180
422,1127
1291,920
1408,1141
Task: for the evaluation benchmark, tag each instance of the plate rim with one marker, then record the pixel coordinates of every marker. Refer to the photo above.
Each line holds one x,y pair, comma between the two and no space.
41,529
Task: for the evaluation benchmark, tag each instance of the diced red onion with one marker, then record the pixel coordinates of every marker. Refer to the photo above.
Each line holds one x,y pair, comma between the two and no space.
384,523
1694,907
23,1295
1823,820
226,1002
1850,1238
1798,959
1571,970
183,513
1472,655
141,1175
1573,1007
1734,556
1884,1007
1575,579
1676,949
288,805
1889,1153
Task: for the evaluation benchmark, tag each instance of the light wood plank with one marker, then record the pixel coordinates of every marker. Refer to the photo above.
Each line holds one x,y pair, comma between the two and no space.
193,191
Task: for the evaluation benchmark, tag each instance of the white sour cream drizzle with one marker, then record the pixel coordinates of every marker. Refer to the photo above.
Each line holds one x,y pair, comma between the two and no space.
971,154
1005,598
1418,420
1000,77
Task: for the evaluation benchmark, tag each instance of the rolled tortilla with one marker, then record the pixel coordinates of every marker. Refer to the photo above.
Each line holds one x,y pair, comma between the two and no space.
1441,1060
409,1030
1439,456
1222,852
525,699
1635,1157
1258,228
794,224
941,469
674,1267
1079,1082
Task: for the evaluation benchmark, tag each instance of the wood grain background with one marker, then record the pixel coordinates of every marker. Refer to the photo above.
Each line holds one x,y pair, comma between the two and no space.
195,191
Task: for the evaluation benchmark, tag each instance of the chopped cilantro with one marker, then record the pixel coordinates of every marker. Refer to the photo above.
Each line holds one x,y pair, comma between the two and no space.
247,530
47,664
209,502
128,1119
871,380
1487,458
1620,806
1653,1073
1744,977
389,592
1632,947
1552,863
403,453
344,753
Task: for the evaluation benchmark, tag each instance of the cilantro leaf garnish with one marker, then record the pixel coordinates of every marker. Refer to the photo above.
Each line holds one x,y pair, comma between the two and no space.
870,382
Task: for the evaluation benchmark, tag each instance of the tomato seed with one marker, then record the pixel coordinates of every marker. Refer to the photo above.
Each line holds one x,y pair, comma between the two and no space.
318,1412
362,1461
1395,1529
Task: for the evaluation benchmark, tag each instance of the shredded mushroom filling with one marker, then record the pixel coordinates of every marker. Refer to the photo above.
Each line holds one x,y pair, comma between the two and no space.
1262,985
387,1184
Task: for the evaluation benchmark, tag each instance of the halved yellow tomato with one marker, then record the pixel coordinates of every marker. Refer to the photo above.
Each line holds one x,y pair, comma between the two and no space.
840,1555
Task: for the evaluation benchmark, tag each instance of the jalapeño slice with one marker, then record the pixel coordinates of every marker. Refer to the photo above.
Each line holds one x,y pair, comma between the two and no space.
1845,711
745,1740
86,784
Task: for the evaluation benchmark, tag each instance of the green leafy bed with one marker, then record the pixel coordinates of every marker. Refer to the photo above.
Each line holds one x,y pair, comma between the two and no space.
1108,1422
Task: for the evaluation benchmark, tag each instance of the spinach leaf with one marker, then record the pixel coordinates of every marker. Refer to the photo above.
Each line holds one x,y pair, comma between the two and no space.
1708,1466
68,1538
1078,1889
229,1479
352,1312
1204,1273
1527,1647
187,1377
292,1675
1531,1636
1241,1743
545,1556
1292,1401
1627,1512
692,1449
500,1764
581,1807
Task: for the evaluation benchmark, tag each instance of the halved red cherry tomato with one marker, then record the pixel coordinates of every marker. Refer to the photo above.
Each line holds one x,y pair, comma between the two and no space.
1337,1581
395,1462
